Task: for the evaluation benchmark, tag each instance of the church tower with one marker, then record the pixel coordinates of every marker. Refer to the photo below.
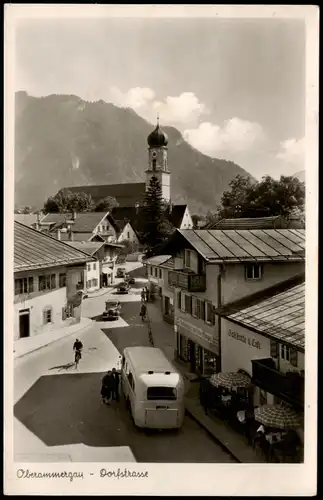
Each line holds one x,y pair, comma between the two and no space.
157,160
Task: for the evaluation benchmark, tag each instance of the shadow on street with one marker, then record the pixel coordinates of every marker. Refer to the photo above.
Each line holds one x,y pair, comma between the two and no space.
63,367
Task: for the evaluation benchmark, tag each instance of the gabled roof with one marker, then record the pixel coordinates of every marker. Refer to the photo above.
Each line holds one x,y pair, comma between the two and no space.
84,221
126,194
249,223
121,224
36,250
132,215
175,216
27,219
218,246
273,222
90,247
157,260
81,237
278,312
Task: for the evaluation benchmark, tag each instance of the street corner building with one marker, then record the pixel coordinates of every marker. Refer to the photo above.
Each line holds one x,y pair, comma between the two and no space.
263,335
48,282
211,268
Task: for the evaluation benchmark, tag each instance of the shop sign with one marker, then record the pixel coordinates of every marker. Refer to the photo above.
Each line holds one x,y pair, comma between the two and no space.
196,331
246,340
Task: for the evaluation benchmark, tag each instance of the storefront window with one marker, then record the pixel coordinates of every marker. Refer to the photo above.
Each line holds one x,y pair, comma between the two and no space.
183,348
209,362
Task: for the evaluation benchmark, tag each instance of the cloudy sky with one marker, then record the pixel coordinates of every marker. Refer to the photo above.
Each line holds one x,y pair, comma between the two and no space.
234,88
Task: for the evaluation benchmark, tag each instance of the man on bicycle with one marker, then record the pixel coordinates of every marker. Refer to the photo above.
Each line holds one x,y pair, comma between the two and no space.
77,347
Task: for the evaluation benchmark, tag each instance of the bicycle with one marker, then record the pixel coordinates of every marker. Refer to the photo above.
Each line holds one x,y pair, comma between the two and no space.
78,356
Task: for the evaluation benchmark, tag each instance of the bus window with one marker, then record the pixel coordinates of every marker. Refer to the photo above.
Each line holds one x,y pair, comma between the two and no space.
131,381
165,393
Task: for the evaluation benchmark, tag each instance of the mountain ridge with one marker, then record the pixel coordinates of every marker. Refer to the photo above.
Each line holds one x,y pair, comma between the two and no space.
63,140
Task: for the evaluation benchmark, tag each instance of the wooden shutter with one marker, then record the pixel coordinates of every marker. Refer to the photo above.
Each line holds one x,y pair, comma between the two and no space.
179,303
198,308
53,281
273,349
202,309
188,304
293,357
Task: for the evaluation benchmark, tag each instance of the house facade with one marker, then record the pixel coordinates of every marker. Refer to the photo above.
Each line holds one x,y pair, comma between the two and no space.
101,271
126,233
264,336
83,226
48,276
213,268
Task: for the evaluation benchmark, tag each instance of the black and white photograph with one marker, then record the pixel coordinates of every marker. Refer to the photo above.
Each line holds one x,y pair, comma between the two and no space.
161,176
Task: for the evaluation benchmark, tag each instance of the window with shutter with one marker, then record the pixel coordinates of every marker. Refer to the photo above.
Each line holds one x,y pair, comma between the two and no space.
188,304
293,357
273,349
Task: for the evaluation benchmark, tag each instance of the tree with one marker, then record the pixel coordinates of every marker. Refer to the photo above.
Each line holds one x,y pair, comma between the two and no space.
196,219
155,227
265,198
106,204
68,201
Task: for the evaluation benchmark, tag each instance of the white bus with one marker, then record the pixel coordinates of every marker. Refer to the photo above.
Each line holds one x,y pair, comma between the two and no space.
153,388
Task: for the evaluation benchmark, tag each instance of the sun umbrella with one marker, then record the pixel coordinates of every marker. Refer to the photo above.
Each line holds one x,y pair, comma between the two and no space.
278,416
230,380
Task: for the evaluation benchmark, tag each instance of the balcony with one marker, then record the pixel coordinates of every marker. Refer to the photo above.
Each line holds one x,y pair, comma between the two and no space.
289,386
187,281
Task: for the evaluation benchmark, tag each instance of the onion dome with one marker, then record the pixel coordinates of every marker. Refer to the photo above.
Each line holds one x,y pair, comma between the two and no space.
157,138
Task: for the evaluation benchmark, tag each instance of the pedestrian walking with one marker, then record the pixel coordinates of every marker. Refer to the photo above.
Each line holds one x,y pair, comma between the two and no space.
143,295
143,311
115,389
106,388
146,293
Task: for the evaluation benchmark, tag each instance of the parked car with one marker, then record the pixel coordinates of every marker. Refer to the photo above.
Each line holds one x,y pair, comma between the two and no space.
112,310
121,272
123,287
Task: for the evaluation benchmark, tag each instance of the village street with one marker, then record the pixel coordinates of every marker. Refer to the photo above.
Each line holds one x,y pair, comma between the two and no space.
58,411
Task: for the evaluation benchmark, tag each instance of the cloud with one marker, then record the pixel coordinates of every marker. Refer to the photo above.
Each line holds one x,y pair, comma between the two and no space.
234,136
183,109
136,98
292,151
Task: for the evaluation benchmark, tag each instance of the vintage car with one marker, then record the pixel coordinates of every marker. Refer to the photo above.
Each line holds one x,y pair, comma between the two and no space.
129,279
123,287
112,310
121,272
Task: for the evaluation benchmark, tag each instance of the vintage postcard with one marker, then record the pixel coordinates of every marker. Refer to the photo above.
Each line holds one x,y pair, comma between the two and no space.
161,211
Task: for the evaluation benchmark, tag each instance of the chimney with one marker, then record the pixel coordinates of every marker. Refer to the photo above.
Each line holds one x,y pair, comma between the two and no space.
73,215
137,207
70,234
37,225
58,234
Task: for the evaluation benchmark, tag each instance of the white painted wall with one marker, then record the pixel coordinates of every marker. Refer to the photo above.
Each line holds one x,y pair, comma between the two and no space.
37,301
187,222
128,234
235,286
237,353
92,272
